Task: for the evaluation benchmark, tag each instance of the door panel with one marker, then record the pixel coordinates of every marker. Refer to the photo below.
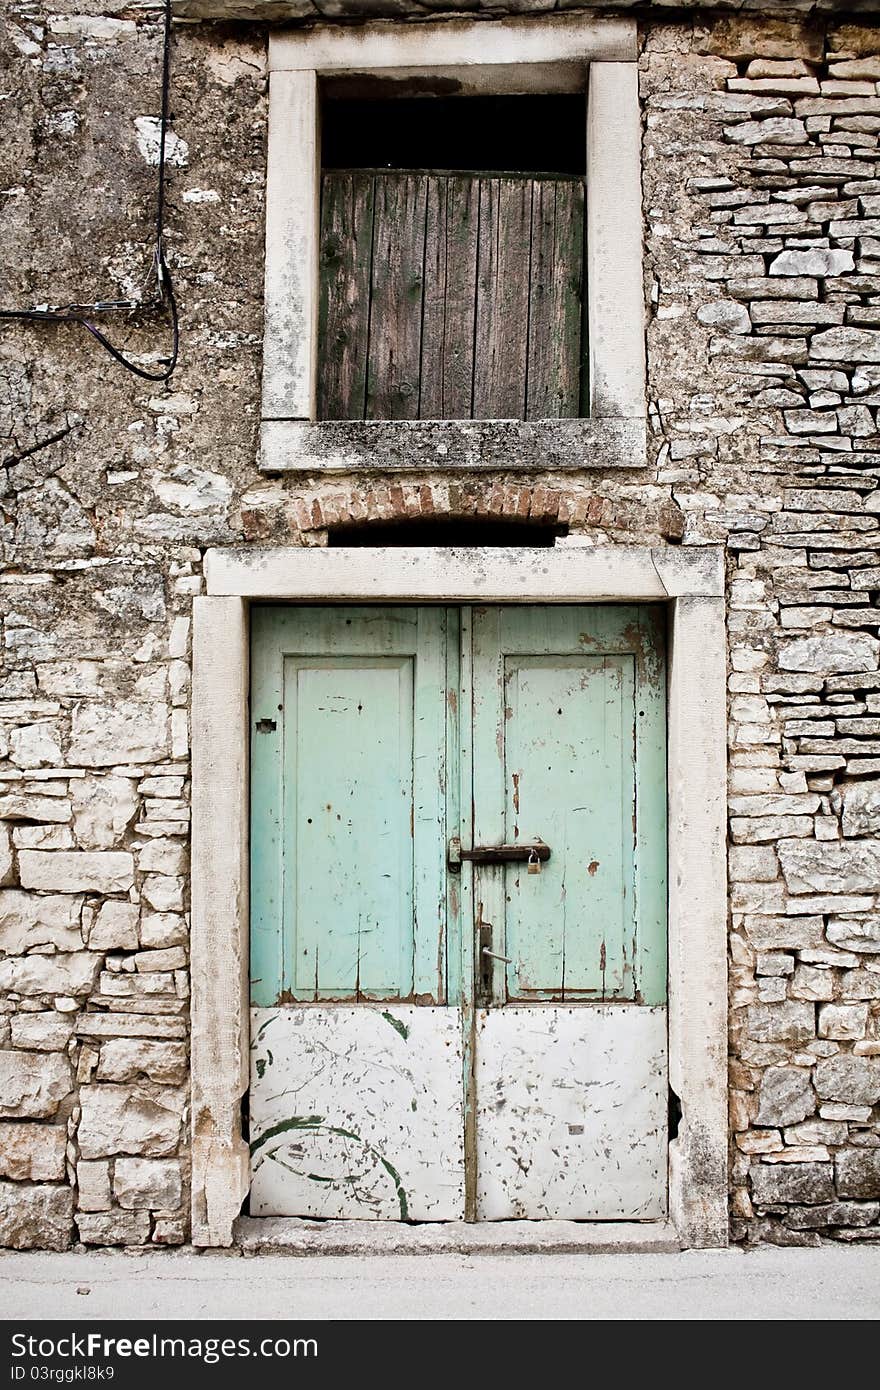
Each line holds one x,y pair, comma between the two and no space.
348,795
356,1112
570,748
569,729
356,1106
348,762
571,1112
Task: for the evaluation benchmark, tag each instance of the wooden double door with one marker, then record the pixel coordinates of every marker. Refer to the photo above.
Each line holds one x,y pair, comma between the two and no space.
458,897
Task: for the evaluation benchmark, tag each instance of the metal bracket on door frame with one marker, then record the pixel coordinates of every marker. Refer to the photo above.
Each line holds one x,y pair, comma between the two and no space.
495,854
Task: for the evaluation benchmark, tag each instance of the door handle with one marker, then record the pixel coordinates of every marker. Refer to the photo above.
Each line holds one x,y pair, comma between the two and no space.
496,854
508,960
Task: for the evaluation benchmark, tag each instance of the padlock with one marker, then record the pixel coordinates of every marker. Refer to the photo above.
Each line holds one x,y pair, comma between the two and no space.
534,862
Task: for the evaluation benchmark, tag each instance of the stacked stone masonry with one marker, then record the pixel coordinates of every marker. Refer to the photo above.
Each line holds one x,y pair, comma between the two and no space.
761,179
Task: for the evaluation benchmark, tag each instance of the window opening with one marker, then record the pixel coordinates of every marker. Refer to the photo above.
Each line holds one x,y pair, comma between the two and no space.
452,257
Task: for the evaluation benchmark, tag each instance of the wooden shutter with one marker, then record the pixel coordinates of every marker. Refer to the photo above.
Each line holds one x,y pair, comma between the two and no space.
450,296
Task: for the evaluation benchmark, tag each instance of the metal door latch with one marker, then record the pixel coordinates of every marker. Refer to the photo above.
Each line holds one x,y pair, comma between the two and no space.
537,853
508,960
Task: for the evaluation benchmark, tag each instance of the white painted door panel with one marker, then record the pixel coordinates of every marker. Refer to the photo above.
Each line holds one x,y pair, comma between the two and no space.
357,1112
571,1112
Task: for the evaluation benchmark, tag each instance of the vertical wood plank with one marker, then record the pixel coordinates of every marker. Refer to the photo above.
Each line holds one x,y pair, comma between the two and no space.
502,324
267,794
650,849
450,297
555,299
430,779
346,256
396,304
447,370
466,730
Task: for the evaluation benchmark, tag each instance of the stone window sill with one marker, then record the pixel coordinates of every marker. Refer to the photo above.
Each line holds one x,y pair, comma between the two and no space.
411,446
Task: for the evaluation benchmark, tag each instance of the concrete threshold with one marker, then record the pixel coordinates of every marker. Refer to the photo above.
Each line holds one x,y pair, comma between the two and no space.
287,1235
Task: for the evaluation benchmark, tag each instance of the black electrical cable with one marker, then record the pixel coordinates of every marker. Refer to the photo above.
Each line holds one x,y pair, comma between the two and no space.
164,296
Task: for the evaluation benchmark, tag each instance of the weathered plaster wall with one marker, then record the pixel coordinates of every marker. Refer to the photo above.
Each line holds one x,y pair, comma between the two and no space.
762,202
101,545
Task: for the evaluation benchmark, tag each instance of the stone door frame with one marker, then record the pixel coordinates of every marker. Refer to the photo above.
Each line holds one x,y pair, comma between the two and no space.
690,582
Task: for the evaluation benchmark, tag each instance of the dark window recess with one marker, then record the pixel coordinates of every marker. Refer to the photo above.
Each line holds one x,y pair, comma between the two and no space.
452,258
445,531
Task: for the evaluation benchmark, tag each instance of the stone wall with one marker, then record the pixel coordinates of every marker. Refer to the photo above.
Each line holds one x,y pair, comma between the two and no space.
103,533
761,177
762,205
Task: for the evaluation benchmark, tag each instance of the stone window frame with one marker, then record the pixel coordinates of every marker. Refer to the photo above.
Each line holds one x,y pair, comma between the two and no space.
689,581
559,52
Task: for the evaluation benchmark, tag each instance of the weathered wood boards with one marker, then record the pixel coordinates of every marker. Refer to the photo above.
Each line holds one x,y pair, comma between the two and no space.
450,296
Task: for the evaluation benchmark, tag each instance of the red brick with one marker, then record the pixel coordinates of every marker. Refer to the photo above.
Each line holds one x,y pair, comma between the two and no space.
301,514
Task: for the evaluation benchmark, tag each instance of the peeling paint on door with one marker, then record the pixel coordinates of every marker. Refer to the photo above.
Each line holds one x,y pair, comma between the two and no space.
571,1112
356,1112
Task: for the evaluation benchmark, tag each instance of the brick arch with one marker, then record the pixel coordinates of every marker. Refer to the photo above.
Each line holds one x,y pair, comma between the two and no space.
496,501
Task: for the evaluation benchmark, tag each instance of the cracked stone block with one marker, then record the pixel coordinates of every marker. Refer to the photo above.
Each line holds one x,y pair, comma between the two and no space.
791,1022
126,731
32,1152
162,929
151,1184
857,934
857,1172
103,808
843,652
116,927
808,1183
834,1214
860,802
75,871
167,1232
35,1217
812,867
129,1059
31,919
850,1080
129,1120
786,1096
93,1185
64,975
163,856
843,1022
33,1084
113,1227
43,1032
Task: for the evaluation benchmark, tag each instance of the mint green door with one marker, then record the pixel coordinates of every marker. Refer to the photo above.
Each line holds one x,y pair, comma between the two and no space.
440,1029
349,769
